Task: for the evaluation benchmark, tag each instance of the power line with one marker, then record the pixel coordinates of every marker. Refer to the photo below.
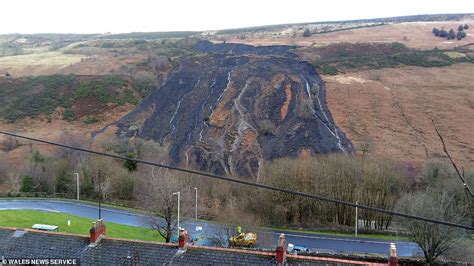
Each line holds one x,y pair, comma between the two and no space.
248,183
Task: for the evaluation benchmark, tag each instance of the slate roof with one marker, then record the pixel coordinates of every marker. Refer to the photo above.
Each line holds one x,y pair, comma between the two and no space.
37,244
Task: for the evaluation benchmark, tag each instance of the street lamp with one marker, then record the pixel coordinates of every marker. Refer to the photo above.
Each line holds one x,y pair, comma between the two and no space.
357,218
196,210
177,193
77,183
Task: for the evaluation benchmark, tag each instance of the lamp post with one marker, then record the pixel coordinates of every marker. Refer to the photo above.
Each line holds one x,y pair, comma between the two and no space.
356,221
196,209
100,193
177,193
77,185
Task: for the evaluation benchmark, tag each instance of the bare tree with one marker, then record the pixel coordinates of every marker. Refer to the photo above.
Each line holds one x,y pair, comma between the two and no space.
160,202
434,239
366,145
222,234
467,189
10,143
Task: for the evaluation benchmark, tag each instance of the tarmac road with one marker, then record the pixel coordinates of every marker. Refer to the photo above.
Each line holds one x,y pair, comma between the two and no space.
267,238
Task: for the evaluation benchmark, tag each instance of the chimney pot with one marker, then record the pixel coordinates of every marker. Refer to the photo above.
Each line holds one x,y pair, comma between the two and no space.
183,238
97,231
281,250
393,261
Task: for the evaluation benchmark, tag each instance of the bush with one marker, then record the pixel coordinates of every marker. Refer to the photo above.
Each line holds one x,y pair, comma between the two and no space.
461,35
443,33
435,31
91,120
306,33
328,70
63,183
129,164
144,82
304,109
27,184
24,103
442,199
69,115
452,34
267,126
466,26
460,28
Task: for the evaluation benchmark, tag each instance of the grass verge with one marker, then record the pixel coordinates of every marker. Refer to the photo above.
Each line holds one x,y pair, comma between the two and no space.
79,225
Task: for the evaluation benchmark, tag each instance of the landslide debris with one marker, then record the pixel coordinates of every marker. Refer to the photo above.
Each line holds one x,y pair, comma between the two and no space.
235,107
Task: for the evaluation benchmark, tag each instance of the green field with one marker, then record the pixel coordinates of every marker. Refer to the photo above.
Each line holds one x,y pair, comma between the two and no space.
79,225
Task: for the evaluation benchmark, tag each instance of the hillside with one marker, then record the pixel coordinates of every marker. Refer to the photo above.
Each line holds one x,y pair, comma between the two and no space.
236,107
249,95
390,111
69,96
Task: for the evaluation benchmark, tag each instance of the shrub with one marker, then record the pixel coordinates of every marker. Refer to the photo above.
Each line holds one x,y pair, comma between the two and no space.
443,33
328,69
466,26
91,120
144,82
69,115
435,31
63,182
306,33
304,109
461,34
460,28
27,184
129,164
28,104
452,34
267,126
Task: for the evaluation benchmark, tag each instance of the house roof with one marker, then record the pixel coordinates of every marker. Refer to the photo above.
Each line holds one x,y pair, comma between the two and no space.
33,244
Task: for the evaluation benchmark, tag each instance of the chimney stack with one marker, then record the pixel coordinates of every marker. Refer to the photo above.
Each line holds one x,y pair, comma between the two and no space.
393,261
183,238
281,250
97,232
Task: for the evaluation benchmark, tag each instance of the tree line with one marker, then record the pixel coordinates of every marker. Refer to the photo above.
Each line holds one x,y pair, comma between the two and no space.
429,190
451,34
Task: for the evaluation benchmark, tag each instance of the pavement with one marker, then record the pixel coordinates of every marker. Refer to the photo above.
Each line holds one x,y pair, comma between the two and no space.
267,237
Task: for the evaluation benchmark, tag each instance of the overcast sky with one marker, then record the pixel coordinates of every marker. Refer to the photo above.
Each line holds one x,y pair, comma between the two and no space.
116,16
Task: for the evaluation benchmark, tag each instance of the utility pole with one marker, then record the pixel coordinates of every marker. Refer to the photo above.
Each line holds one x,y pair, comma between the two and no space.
177,193
196,209
357,219
77,185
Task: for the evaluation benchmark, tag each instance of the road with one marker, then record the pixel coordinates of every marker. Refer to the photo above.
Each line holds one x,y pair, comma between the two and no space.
267,238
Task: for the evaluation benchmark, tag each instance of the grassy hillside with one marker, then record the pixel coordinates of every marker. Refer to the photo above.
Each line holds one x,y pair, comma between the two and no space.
75,96
347,57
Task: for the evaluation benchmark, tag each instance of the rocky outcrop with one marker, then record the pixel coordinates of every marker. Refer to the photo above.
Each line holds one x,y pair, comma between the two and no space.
237,106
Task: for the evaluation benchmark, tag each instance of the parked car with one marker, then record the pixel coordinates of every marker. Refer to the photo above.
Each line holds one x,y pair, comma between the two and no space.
292,248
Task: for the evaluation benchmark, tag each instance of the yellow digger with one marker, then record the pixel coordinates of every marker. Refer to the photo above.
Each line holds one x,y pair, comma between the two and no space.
243,239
